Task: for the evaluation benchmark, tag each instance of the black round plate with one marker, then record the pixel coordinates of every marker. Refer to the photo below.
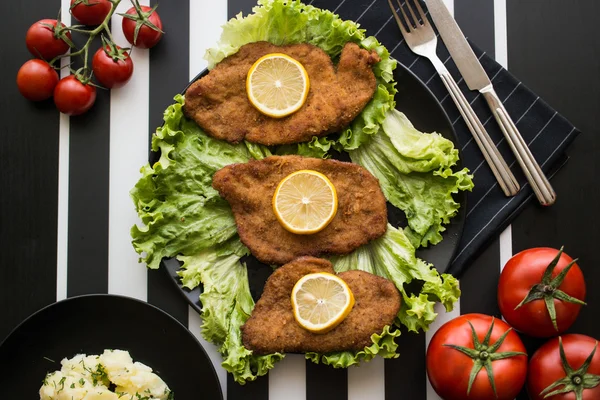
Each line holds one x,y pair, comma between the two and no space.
425,112
90,324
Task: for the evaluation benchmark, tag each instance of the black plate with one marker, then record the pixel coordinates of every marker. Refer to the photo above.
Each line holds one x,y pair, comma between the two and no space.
90,324
422,108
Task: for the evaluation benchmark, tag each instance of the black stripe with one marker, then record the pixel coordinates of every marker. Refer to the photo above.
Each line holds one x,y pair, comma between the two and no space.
533,40
89,162
479,284
234,7
476,20
28,178
325,383
406,374
169,70
258,389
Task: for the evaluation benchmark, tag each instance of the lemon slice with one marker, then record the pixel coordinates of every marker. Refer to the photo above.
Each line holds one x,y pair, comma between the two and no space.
305,202
277,85
321,301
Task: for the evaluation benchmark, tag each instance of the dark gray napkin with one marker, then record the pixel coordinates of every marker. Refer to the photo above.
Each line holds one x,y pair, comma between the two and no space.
546,132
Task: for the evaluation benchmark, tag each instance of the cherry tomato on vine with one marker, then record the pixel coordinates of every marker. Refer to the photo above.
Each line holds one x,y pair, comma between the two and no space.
112,66
36,80
46,39
476,357
90,12
541,291
574,374
142,27
73,97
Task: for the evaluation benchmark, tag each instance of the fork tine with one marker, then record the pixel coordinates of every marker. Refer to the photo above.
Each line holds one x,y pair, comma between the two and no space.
411,27
397,17
421,13
412,12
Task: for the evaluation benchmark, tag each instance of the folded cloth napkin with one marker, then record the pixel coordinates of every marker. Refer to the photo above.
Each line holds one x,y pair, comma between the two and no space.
546,132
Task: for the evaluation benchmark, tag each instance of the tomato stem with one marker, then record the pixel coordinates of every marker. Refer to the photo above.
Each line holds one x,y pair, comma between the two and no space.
82,74
548,291
575,381
483,354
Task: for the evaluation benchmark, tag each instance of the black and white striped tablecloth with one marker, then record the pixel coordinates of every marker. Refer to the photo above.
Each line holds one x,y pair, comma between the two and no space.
65,209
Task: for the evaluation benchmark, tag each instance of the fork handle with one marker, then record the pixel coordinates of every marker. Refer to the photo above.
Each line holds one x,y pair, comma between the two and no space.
500,169
538,181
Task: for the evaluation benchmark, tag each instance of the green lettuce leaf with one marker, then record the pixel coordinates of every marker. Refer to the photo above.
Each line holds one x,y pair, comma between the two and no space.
290,21
383,346
415,173
392,256
180,211
226,306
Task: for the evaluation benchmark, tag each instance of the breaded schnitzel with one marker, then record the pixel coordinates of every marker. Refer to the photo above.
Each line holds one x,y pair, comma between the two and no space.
273,328
219,104
249,189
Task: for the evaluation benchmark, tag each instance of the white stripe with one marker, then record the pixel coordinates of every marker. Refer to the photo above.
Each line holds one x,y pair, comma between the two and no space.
206,19
505,246
288,379
367,381
62,239
500,32
128,151
501,49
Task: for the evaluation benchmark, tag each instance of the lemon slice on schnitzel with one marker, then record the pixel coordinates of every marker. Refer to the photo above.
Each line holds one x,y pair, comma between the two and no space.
305,202
321,301
277,85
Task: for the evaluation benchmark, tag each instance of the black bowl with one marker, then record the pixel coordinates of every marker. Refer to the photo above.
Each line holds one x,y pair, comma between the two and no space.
90,324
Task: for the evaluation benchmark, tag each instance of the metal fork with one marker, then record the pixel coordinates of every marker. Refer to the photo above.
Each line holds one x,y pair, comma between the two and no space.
421,39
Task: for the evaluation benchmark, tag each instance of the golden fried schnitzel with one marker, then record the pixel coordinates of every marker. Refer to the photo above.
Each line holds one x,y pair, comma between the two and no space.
249,189
273,328
219,104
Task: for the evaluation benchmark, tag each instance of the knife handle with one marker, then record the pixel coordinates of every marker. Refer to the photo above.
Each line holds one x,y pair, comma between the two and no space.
538,181
500,169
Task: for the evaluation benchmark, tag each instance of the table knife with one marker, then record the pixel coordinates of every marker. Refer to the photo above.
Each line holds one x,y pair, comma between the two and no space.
477,79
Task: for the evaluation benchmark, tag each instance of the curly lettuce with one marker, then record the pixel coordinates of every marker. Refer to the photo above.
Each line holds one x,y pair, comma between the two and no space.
226,305
180,211
383,346
415,173
284,22
392,256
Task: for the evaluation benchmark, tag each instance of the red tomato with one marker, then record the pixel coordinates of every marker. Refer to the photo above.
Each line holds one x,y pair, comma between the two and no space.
73,97
112,67
546,367
147,36
449,368
36,80
525,271
44,41
90,12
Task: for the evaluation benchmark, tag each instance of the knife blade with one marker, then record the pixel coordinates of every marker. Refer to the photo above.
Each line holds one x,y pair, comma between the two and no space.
477,79
462,54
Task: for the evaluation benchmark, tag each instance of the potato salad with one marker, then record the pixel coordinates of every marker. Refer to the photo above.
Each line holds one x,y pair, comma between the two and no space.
110,376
